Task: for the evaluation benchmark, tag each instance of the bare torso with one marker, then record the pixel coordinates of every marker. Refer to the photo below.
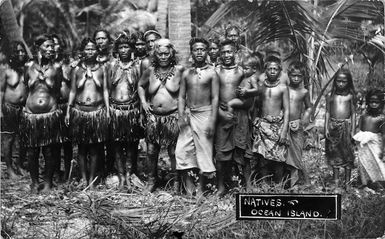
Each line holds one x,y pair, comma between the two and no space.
44,84
229,80
272,99
124,81
340,106
373,124
164,96
198,86
65,87
89,88
15,91
297,100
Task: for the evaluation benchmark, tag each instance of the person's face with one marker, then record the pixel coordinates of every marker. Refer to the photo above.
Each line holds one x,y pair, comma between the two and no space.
213,51
164,56
374,102
101,40
140,47
233,35
90,52
47,49
150,41
273,70
341,81
124,51
249,69
199,52
227,55
20,55
296,77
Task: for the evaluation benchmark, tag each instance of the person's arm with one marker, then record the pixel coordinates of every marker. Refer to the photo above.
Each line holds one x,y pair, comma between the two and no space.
71,97
144,65
382,126
214,103
308,109
327,116
105,91
353,116
286,114
182,121
142,85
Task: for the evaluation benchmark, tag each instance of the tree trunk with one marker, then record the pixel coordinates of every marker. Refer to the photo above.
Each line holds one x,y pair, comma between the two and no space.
161,24
12,30
180,27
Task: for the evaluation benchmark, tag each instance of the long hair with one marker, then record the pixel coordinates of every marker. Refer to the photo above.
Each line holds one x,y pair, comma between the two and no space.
12,63
62,54
349,78
163,42
84,43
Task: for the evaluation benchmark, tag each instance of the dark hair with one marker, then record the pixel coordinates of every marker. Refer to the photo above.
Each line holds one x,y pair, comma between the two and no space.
39,40
14,45
348,76
231,28
166,43
155,32
105,31
227,42
84,43
196,40
254,61
60,40
374,92
214,40
271,59
139,35
124,39
299,66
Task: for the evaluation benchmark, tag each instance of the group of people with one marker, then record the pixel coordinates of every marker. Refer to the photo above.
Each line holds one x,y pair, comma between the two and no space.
226,108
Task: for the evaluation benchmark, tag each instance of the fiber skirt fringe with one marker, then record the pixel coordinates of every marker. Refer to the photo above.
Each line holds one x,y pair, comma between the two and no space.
38,130
65,133
125,123
162,129
11,118
88,127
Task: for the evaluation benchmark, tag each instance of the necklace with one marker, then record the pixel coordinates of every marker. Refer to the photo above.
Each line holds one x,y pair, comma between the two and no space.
164,76
271,85
229,67
125,66
198,70
89,69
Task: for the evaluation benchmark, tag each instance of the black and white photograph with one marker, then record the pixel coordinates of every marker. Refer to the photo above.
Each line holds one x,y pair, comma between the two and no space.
192,119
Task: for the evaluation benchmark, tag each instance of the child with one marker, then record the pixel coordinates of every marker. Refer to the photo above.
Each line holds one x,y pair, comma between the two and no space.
252,69
340,113
269,131
300,106
371,139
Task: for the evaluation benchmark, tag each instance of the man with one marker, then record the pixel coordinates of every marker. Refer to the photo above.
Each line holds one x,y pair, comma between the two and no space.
88,104
233,33
103,40
40,121
198,108
151,36
160,83
13,93
125,129
230,77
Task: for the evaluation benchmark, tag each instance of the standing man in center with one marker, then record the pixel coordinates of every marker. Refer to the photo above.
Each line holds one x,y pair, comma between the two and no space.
198,108
230,77
161,81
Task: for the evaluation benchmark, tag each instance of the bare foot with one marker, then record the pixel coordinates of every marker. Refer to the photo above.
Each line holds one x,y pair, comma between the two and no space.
151,185
221,192
47,188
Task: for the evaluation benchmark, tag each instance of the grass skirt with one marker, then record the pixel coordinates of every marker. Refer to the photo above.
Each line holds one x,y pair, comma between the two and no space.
11,118
162,130
125,125
38,130
88,127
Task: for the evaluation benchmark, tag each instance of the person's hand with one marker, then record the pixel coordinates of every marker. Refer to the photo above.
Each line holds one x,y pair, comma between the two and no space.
67,120
182,121
240,91
108,115
210,129
327,134
147,108
282,138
